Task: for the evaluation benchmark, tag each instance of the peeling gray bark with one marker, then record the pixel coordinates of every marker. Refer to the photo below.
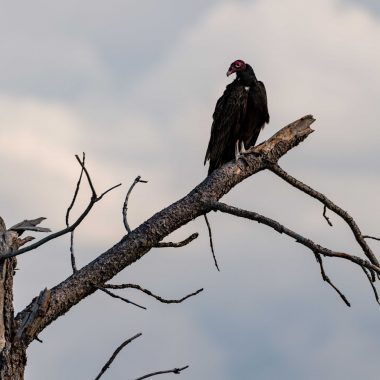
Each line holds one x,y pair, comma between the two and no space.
17,333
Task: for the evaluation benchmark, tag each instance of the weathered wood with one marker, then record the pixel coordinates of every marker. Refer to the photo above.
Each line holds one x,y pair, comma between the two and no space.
12,356
30,225
139,241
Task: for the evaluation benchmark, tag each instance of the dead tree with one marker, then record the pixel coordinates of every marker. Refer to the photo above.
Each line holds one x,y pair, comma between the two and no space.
18,331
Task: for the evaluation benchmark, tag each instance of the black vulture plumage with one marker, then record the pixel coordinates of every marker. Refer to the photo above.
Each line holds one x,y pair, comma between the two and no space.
240,114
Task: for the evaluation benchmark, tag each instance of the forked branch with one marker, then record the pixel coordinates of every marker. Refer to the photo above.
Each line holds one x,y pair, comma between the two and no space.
145,237
314,247
67,218
275,168
94,199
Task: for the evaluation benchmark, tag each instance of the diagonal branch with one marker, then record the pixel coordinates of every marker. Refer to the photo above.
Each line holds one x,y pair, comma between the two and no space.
326,217
113,356
275,168
371,282
149,293
327,279
143,238
113,295
211,242
176,371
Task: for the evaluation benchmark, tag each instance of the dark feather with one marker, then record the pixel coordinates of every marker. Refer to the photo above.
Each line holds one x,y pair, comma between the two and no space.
240,114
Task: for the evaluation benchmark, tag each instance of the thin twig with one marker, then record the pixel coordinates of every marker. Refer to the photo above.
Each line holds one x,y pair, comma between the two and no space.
113,356
326,217
371,237
211,243
176,371
125,206
113,295
72,255
76,190
93,200
372,285
327,279
275,168
149,293
179,244
87,176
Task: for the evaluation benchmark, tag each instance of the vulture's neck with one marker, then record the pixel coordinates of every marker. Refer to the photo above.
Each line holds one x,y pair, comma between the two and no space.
247,77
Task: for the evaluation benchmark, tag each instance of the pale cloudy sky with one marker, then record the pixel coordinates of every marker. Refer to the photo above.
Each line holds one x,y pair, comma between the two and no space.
134,84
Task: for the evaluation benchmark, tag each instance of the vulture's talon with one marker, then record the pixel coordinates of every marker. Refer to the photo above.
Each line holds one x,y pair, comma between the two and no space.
242,148
237,151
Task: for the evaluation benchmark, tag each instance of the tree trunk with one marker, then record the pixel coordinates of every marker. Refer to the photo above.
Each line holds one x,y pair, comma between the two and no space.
13,350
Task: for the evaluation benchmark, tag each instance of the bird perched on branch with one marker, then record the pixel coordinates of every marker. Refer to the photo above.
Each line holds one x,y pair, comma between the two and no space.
240,114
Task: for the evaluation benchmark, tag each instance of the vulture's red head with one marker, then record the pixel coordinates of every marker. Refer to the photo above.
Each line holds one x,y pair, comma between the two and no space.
238,65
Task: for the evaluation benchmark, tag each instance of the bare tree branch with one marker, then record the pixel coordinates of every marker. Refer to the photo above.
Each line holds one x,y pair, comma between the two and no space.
82,163
113,356
371,281
211,242
275,168
125,206
72,255
176,371
179,244
149,293
371,237
84,169
218,206
143,238
326,217
113,295
94,199
327,279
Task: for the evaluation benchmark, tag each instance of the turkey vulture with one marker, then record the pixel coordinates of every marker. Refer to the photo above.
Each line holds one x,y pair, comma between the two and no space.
240,114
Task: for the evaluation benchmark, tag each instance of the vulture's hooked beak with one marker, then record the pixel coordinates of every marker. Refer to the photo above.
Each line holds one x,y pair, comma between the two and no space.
230,71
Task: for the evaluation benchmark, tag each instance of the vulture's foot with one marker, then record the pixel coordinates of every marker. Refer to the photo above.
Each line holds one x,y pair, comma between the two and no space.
239,153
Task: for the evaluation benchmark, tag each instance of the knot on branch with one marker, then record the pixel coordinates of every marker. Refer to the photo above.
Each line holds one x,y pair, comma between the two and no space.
32,320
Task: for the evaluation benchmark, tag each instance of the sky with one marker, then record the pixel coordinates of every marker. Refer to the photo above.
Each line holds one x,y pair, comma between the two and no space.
134,84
